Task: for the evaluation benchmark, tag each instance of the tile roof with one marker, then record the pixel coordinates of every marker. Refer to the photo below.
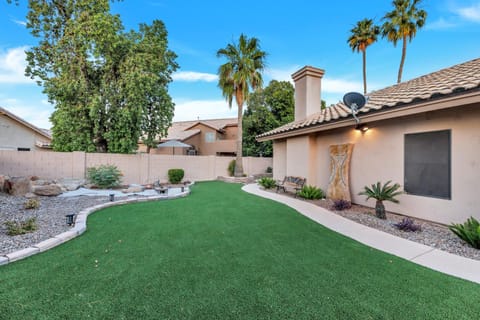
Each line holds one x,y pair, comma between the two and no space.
459,78
182,130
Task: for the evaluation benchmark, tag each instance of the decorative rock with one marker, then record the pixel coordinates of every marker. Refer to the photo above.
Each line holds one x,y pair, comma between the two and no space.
30,195
47,190
71,184
3,178
18,186
133,189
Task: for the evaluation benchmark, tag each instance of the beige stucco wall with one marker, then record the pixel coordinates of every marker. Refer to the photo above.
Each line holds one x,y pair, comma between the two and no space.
378,155
14,135
136,168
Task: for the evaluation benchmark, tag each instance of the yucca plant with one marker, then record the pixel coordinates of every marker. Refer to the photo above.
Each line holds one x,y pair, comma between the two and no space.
381,193
468,232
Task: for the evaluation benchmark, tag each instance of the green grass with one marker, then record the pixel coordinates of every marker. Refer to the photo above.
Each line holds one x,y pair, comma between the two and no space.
223,254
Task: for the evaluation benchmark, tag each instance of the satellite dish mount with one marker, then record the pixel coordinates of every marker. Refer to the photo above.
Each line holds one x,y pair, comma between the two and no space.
354,101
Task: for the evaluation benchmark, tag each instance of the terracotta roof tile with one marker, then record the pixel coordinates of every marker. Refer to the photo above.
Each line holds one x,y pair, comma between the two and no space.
458,78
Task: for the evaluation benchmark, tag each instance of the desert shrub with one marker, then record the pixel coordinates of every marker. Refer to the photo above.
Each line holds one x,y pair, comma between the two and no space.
311,192
408,225
231,168
267,182
175,175
31,204
381,193
269,170
104,176
15,228
341,204
468,232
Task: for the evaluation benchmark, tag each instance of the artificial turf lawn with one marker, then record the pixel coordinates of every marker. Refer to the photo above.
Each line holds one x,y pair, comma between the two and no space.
223,254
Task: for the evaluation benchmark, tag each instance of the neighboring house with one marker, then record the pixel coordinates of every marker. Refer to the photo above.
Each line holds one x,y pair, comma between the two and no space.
207,137
18,134
423,133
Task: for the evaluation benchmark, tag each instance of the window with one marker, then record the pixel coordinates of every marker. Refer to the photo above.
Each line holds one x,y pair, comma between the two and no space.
210,137
427,164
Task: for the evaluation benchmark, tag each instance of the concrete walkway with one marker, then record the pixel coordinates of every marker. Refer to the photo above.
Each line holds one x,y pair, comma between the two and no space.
415,252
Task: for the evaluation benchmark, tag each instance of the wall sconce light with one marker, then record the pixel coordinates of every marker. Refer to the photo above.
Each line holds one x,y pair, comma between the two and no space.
362,127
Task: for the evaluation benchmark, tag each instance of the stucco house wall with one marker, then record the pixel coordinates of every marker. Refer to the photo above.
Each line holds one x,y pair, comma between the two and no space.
16,134
302,149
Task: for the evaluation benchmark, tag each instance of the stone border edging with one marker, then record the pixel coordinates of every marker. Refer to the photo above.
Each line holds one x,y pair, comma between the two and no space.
80,227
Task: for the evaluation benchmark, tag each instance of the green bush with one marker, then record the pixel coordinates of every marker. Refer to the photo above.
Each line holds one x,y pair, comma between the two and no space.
311,192
16,228
31,204
267,182
231,168
381,193
104,176
175,175
468,232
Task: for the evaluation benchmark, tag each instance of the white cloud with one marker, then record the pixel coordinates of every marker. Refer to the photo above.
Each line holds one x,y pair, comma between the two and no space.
192,76
37,115
12,66
440,24
20,22
471,13
330,85
203,109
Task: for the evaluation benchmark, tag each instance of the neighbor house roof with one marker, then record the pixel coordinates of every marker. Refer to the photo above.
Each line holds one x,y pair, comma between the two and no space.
183,130
43,132
458,79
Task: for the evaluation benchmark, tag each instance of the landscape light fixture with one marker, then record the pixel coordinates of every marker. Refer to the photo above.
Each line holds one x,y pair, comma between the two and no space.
69,218
362,127
112,196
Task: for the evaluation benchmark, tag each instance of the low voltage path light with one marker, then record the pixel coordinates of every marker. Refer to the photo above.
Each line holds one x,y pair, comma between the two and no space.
112,196
70,218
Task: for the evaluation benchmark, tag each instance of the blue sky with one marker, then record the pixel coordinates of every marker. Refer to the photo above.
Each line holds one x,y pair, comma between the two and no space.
293,33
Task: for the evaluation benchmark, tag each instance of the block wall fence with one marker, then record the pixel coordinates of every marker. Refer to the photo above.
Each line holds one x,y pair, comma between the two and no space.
136,168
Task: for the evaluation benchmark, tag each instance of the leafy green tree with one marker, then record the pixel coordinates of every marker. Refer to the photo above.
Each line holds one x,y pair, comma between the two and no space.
267,109
402,23
363,35
241,72
108,86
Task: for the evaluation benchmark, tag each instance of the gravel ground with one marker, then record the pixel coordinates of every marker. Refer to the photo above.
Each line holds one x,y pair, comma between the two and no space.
50,217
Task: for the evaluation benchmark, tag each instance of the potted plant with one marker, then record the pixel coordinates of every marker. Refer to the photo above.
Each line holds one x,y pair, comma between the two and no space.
381,193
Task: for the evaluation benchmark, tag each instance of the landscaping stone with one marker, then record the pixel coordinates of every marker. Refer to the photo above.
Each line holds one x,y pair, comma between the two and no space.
3,178
47,244
3,260
47,190
71,184
30,195
133,189
21,254
18,186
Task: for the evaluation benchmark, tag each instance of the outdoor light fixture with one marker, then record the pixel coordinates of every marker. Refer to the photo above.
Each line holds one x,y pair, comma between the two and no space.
112,196
362,127
69,218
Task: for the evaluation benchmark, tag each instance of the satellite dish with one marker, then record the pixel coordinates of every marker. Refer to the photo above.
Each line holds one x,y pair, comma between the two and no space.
355,101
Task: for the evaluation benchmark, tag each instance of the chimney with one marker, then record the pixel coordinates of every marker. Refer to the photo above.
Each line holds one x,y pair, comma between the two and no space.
308,84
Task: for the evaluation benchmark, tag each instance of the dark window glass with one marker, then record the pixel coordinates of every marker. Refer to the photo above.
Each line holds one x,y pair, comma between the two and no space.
427,164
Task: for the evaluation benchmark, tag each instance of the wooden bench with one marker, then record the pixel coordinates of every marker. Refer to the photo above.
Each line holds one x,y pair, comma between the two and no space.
290,182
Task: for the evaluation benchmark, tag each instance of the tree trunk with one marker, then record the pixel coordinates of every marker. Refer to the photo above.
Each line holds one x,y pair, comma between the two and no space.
364,71
402,61
238,159
148,149
380,210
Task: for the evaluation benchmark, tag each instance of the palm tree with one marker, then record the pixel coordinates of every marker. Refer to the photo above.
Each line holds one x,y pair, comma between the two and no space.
362,35
242,71
382,193
402,23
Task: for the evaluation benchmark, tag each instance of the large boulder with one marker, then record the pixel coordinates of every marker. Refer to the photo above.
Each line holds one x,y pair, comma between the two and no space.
71,184
49,190
3,179
17,186
133,189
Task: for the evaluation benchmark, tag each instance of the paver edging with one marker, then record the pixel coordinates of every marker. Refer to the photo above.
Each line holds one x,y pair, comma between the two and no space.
80,227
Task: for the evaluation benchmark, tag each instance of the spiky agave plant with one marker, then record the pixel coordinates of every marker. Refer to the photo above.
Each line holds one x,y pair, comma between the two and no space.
381,193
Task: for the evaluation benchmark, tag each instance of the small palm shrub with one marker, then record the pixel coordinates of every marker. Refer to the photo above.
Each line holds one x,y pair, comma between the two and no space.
408,225
175,175
311,192
104,176
468,232
381,193
15,228
31,204
341,204
267,182
231,168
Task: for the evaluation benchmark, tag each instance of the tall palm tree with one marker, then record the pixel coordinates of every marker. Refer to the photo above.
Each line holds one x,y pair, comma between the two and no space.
242,71
402,23
362,35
